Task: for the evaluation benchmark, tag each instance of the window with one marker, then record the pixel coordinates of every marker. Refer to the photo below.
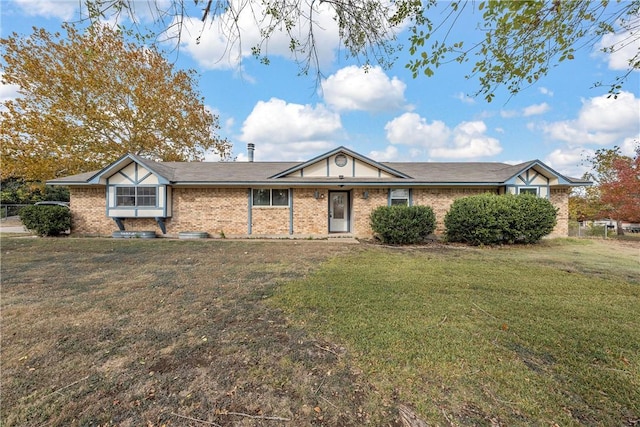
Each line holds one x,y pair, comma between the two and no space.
528,190
270,197
136,196
279,197
399,196
125,196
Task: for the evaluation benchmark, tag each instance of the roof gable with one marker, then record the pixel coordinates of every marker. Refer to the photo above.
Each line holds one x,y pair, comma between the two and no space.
340,163
536,173
120,166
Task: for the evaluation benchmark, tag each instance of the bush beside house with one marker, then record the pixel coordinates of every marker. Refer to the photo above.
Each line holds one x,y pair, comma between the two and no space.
490,219
46,220
403,224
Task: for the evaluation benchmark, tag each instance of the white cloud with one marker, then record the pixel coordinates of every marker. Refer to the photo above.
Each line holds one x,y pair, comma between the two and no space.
469,141
354,88
464,98
61,9
283,131
624,45
569,160
531,110
629,145
535,110
507,114
601,121
147,11
545,91
389,154
210,46
411,129
466,140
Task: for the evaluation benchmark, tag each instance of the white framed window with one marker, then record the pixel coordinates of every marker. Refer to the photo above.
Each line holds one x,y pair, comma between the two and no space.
528,190
136,196
399,196
270,197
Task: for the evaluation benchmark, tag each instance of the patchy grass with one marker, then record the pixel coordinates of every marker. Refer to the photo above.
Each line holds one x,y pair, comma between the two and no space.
147,332
152,332
539,335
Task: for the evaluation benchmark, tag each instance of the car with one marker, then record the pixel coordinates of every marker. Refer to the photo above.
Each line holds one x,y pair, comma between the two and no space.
52,203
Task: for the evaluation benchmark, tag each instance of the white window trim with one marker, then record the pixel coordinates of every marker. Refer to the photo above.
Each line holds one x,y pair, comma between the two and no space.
407,198
135,197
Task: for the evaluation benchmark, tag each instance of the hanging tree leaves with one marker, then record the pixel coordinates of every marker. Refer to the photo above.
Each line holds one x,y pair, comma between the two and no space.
519,41
88,98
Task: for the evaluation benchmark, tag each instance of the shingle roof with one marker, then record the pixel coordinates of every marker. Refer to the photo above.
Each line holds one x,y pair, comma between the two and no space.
238,173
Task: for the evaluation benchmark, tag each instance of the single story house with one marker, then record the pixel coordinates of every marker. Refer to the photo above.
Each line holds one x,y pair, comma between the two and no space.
332,193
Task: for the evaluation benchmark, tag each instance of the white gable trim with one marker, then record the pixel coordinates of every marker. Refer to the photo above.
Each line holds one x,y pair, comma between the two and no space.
103,175
325,158
535,170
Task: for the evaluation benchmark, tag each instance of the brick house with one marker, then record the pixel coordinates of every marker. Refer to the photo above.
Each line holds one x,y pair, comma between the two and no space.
329,194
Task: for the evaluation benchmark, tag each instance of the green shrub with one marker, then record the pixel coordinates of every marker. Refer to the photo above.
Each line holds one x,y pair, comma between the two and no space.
403,224
46,220
490,219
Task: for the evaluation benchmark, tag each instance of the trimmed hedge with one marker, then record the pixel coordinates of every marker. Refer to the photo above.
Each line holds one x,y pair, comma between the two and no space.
46,220
403,224
491,219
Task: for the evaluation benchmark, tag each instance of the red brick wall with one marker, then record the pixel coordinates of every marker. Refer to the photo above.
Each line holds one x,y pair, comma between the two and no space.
89,211
225,211
560,199
310,215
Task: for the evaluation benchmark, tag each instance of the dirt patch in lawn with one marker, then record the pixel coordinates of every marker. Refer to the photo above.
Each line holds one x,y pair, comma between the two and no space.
130,333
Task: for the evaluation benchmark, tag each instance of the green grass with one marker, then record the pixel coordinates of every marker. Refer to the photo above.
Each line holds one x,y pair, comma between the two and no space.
144,332
527,335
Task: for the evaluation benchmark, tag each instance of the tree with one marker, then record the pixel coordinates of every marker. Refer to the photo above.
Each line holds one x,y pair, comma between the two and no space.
88,98
523,40
618,179
17,191
622,192
585,204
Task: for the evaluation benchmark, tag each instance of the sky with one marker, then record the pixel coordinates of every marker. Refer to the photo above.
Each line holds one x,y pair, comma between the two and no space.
384,114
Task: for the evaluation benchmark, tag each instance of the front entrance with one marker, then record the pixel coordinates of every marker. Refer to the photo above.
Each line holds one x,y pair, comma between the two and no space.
338,211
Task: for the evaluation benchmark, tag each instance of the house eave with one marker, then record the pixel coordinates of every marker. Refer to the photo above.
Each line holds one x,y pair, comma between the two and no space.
333,183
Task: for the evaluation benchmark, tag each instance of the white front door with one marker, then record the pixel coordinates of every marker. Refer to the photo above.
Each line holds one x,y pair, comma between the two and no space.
338,211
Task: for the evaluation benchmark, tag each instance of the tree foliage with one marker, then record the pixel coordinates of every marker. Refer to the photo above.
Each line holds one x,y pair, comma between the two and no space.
523,40
618,179
88,98
18,191
585,204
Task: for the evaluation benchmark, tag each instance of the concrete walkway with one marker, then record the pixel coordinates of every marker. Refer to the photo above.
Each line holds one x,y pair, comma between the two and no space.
12,224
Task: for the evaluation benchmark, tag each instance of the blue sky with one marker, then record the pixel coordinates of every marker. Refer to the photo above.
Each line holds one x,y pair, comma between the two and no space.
385,114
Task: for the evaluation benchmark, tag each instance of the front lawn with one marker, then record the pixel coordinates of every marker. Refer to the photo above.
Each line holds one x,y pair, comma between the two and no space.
542,335
301,333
